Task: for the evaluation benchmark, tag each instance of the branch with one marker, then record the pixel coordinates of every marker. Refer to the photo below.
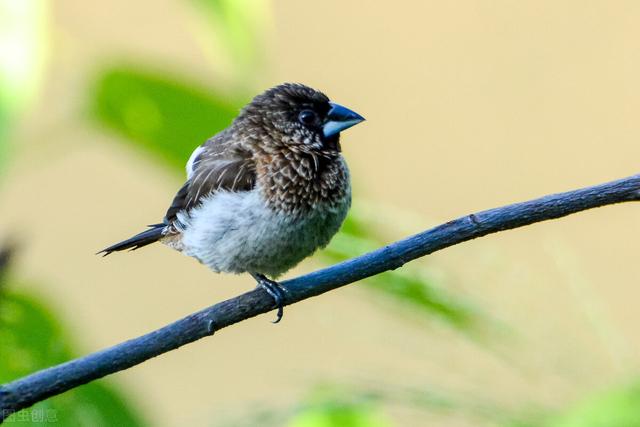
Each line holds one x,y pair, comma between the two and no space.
40,385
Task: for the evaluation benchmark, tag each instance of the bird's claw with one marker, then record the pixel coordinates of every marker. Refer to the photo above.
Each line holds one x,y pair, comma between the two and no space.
276,291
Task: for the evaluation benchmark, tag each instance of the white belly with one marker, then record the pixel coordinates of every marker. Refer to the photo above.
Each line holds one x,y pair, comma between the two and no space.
237,233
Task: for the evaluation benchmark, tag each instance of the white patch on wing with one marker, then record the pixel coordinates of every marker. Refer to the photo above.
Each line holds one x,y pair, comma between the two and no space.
192,160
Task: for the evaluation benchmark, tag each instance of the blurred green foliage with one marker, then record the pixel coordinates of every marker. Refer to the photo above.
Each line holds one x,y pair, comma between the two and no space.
616,408
362,404
325,406
339,414
32,339
166,116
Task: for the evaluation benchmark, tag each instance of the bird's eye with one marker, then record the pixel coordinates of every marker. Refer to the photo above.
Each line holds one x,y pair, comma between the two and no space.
307,117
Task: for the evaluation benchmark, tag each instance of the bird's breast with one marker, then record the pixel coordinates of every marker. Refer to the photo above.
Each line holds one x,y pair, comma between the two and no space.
242,231
297,183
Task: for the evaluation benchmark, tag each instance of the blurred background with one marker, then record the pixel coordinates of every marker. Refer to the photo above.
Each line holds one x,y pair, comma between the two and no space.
469,105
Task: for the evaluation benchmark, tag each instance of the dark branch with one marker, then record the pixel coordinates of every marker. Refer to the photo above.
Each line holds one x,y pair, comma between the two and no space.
26,391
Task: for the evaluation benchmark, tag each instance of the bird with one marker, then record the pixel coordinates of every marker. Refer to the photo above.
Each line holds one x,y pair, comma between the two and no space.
264,193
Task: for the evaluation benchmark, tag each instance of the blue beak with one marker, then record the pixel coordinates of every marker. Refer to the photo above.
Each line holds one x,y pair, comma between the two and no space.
339,118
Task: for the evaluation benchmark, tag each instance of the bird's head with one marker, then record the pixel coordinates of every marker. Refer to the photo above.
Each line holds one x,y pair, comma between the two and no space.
297,116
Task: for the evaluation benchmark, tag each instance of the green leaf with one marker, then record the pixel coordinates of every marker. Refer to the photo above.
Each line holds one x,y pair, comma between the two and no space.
616,408
31,339
339,414
339,417
163,115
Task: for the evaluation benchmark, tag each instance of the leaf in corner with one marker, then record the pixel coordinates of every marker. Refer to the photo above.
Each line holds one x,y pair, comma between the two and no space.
32,339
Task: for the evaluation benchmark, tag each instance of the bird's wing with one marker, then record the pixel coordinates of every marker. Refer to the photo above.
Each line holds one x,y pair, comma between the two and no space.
213,167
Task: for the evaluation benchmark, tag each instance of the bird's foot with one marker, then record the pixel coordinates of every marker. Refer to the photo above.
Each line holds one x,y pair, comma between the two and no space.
273,288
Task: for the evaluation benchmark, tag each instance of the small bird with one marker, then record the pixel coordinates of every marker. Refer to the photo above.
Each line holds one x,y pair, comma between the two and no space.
264,193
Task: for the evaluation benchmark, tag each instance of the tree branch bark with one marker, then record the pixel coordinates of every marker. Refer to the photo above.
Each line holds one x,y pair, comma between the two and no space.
40,385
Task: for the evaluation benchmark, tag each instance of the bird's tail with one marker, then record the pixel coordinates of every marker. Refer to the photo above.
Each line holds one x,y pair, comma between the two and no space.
153,234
